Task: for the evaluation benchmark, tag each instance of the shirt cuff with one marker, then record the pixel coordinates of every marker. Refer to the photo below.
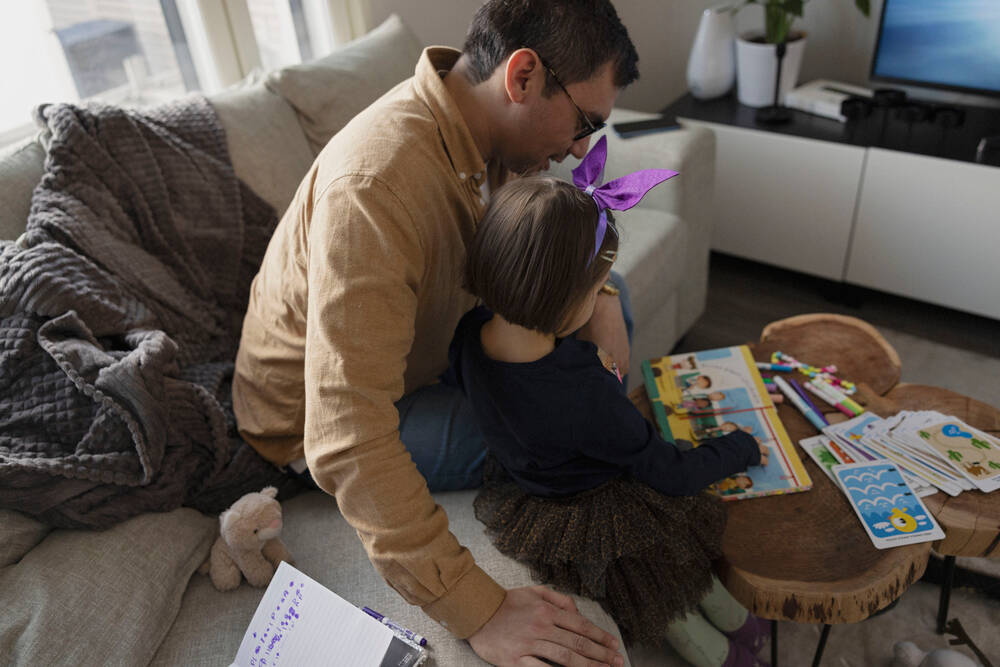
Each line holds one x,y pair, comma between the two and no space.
466,607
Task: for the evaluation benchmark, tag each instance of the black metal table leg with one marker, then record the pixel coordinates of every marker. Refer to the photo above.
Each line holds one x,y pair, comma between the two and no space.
822,644
774,644
946,578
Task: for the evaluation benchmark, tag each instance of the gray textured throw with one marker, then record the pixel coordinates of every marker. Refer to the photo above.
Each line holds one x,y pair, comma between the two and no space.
120,315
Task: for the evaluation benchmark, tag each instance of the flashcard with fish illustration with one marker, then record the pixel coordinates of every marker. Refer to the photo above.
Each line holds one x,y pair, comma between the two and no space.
890,512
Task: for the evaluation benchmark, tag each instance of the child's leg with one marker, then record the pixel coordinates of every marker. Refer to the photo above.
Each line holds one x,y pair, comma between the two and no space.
697,641
701,644
722,608
733,619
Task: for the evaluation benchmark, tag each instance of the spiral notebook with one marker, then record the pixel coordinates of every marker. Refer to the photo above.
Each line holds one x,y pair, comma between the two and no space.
301,622
704,395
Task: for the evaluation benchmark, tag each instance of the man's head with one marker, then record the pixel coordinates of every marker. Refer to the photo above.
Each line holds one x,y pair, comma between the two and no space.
561,64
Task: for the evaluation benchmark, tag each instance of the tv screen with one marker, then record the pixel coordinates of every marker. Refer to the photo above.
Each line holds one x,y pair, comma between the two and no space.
951,44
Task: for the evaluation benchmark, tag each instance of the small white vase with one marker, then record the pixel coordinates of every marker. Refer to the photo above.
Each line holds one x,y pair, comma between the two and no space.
711,68
757,67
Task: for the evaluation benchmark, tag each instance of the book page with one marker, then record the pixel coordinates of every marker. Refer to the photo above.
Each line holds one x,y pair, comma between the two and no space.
708,394
301,622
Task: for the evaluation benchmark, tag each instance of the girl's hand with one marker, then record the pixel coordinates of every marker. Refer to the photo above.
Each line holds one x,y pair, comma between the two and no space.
764,452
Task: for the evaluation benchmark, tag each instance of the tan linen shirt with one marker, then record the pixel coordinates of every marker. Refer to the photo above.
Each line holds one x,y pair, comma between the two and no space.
355,304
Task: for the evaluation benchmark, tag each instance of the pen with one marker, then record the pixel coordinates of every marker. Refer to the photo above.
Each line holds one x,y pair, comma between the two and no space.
409,634
805,397
841,397
810,414
774,367
835,398
811,386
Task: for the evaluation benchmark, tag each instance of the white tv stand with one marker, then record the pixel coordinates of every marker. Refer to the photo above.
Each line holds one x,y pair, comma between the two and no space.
811,197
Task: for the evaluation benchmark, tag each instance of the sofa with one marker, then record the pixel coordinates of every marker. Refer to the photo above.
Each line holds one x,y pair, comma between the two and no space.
130,594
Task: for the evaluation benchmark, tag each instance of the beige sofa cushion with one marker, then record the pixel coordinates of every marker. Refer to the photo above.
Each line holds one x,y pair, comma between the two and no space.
21,168
211,624
266,144
329,92
101,598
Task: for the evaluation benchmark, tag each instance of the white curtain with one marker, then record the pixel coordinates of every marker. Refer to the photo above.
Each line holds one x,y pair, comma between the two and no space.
351,19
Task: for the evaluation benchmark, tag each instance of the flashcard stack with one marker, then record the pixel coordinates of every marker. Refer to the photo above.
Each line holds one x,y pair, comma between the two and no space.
931,451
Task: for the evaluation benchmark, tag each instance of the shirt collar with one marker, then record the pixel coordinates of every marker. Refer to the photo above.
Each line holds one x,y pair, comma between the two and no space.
430,88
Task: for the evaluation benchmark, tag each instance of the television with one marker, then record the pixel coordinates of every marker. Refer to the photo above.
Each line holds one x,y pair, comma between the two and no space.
942,45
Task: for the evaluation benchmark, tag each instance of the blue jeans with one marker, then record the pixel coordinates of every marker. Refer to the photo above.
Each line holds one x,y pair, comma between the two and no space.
438,427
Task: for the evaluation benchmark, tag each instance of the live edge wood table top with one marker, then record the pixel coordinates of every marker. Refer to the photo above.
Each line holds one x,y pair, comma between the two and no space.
804,556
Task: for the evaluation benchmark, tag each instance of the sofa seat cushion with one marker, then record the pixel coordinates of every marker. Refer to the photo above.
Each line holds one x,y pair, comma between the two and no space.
101,597
328,92
211,624
19,533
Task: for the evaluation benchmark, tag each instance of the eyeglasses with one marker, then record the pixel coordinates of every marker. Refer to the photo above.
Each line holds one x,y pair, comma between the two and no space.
589,127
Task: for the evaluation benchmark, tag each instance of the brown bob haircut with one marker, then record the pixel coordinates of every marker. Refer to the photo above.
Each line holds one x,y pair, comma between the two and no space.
573,37
530,259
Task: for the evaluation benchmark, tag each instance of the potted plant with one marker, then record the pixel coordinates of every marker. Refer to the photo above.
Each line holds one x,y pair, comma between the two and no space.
756,53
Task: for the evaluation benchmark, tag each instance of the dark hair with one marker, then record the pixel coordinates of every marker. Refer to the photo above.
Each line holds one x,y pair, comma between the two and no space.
573,37
532,258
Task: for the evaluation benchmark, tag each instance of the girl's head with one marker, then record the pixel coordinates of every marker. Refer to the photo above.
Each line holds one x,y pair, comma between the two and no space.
532,258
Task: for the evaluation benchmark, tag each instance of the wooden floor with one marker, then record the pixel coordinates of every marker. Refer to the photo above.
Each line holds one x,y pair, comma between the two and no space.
938,346
744,296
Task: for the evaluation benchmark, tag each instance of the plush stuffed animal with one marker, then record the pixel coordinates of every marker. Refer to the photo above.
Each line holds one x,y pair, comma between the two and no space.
908,654
248,542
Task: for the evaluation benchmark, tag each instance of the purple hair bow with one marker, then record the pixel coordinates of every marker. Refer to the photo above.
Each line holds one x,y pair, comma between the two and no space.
620,194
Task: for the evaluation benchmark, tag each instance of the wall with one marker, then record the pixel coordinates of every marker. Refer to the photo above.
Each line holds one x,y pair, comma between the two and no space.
841,40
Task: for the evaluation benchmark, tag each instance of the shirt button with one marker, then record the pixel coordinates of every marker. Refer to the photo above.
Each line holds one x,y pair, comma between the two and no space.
461,175
482,201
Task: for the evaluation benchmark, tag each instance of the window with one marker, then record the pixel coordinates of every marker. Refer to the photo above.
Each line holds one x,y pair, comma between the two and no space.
141,52
118,51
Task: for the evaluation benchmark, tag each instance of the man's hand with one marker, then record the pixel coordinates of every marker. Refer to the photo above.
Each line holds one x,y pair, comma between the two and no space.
536,622
606,329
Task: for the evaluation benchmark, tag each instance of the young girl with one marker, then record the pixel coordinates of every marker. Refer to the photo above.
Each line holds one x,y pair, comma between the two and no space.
578,484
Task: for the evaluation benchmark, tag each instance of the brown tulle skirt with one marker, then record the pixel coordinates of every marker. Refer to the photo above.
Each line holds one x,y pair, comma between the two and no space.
645,557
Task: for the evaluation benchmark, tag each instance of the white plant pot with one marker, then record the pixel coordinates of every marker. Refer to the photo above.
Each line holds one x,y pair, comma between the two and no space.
711,68
757,67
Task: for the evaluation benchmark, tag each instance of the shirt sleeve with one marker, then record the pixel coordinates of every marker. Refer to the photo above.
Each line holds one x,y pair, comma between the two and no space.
620,434
364,269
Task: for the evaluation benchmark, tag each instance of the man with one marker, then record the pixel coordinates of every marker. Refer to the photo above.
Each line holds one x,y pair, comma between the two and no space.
358,295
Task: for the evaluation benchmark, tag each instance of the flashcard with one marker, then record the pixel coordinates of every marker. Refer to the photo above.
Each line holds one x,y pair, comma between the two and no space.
969,451
890,512
816,448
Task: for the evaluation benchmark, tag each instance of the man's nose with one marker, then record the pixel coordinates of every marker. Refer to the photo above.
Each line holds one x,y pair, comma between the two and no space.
579,148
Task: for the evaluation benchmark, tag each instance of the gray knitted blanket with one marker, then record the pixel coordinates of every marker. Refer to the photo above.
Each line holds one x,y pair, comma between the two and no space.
120,314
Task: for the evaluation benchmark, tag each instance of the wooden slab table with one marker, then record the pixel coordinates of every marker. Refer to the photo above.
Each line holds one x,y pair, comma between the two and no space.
805,557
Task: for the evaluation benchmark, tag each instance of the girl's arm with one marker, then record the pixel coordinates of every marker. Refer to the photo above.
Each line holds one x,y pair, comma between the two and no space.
619,434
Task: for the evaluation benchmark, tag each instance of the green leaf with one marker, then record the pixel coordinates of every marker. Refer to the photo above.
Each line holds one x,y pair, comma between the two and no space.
925,435
980,444
954,456
994,464
794,7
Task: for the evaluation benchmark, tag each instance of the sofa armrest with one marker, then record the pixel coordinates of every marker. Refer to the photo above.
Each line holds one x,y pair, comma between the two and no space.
688,150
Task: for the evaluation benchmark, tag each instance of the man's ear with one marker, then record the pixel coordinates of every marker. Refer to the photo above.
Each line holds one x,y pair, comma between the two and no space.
524,75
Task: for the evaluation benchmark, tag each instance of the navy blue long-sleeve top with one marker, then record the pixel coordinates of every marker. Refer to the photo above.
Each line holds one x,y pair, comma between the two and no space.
564,424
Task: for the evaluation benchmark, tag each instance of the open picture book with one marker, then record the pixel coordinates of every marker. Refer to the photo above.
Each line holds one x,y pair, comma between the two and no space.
704,395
